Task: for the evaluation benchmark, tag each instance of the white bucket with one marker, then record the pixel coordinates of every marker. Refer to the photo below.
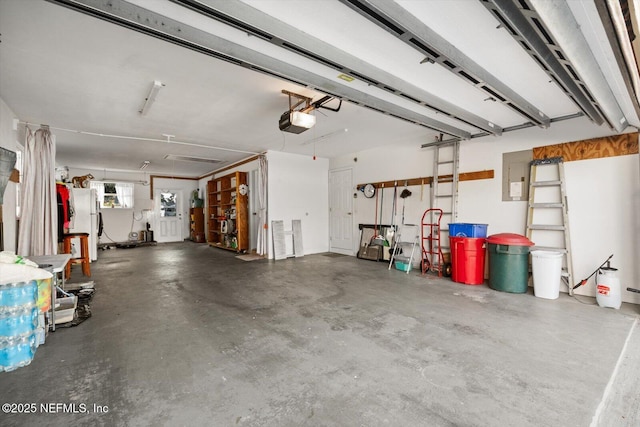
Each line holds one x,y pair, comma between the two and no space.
608,288
547,271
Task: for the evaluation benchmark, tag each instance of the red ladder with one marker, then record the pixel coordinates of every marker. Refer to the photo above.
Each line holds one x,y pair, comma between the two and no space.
432,259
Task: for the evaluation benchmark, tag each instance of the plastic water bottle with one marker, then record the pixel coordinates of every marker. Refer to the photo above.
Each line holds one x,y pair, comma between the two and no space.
17,294
16,352
18,322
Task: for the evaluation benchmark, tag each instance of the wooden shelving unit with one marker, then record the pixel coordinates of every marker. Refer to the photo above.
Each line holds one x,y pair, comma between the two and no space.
196,230
227,212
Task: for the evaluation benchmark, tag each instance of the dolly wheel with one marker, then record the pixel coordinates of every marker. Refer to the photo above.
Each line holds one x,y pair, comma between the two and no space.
447,270
426,265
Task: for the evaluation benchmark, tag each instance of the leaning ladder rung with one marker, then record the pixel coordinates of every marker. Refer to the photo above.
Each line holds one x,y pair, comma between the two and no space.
446,162
547,227
443,196
546,205
554,183
547,161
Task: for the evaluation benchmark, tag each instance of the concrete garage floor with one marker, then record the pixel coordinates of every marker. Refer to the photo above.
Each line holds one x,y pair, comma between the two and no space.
184,334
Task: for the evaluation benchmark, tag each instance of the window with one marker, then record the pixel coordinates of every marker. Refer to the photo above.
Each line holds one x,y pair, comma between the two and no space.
114,194
168,202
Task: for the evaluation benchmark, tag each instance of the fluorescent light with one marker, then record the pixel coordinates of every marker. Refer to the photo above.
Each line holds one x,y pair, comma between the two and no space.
155,88
144,164
191,158
301,119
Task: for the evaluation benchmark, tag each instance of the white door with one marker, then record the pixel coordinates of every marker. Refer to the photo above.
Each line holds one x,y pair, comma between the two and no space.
253,209
341,211
168,216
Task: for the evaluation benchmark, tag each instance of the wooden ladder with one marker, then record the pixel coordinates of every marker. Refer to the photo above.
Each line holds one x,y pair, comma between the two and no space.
548,202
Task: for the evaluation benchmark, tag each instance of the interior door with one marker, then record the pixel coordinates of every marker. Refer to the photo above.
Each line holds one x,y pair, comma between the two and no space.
253,210
341,211
168,216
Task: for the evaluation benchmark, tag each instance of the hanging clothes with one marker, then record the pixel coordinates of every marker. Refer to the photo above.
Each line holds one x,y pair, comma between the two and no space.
72,207
63,195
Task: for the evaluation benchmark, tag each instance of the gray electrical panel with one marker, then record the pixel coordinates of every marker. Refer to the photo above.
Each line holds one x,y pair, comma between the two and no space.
515,175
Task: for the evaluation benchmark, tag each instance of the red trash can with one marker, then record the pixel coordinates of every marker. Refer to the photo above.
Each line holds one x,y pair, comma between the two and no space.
467,260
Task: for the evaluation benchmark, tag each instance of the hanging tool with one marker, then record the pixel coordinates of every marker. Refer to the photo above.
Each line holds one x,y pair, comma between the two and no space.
403,195
375,224
391,231
377,239
381,203
583,281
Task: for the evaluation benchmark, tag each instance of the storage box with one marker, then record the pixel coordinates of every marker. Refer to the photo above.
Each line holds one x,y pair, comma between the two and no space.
403,266
402,263
461,229
373,252
66,309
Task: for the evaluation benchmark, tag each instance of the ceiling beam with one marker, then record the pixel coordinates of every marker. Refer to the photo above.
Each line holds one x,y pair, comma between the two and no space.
257,23
505,130
561,21
406,27
610,12
167,29
529,29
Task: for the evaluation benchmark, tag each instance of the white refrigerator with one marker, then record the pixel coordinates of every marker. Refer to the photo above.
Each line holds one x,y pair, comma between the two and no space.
85,220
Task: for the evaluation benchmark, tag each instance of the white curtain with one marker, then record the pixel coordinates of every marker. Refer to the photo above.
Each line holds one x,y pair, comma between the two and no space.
124,191
38,233
262,243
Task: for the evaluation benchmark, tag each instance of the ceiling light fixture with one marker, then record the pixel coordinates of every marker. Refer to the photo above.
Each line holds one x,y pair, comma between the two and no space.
148,101
297,121
305,120
191,158
144,164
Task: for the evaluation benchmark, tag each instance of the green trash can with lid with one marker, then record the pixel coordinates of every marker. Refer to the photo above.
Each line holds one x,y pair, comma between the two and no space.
509,262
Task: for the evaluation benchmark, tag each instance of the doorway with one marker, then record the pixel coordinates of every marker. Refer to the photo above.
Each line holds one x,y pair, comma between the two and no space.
341,211
253,210
168,206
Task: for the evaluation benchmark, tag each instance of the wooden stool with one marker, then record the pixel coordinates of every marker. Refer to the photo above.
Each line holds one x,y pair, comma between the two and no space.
84,253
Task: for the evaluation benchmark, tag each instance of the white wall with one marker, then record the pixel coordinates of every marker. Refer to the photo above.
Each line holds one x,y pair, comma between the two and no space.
8,140
118,223
387,164
603,197
604,194
299,189
187,186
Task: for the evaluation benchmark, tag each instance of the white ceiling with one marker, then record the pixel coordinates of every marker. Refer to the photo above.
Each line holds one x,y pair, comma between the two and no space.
76,72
